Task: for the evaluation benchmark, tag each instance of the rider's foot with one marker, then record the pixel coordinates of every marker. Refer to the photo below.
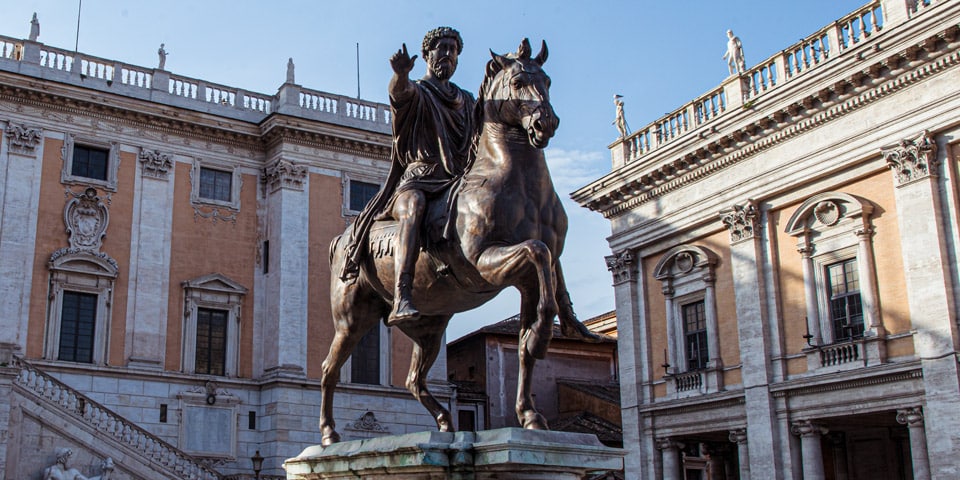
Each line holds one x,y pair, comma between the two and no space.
403,312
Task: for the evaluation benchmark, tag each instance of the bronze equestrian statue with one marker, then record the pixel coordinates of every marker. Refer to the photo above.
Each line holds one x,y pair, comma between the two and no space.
501,226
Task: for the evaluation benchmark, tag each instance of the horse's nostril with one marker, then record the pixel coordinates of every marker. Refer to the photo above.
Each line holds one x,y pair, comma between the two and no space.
537,125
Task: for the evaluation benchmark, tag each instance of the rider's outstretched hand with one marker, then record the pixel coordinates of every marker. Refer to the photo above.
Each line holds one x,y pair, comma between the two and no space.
401,61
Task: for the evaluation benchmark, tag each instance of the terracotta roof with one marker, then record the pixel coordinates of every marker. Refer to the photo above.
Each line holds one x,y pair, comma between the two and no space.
511,326
586,422
606,391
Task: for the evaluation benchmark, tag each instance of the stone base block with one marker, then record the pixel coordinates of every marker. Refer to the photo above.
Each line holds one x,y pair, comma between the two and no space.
512,453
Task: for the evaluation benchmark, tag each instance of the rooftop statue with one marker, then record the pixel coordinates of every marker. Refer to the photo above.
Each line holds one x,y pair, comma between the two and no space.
163,57
620,121
734,55
34,28
290,70
468,210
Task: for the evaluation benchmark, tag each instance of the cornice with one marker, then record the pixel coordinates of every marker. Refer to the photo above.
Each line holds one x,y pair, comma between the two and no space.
829,103
99,107
287,134
161,118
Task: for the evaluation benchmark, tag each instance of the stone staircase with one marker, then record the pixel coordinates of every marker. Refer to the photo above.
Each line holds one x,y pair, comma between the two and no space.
60,411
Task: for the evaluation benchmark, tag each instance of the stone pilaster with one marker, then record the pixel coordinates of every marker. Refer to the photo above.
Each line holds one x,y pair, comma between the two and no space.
739,437
287,229
810,448
913,419
747,262
915,164
633,360
20,170
149,261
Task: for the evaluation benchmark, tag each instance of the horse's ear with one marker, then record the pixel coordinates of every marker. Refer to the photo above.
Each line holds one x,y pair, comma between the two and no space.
523,51
542,56
498,63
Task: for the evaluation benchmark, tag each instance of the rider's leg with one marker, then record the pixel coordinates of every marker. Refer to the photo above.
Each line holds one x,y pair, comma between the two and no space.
407,209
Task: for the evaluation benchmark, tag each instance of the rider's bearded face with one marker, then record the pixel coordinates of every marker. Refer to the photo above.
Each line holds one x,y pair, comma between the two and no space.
442,58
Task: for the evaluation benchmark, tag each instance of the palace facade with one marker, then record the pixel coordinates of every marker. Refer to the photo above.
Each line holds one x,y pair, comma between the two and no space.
786,261
164,282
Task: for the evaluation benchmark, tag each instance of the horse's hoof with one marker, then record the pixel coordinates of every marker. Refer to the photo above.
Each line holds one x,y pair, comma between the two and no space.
329,439
575,329
444,424
532,420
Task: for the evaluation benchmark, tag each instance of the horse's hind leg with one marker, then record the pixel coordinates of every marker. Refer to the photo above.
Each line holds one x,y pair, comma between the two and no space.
352,319
427,336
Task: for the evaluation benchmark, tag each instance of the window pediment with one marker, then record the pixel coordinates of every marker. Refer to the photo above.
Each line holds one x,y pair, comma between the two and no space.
827,210
215,282
684,260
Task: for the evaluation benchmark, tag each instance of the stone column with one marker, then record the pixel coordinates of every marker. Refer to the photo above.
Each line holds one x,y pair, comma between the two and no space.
810,434
713,328
868,286
926,264
284,339
913,419
672,462
739,436
810,293
634,364
20,169
146,331
747,263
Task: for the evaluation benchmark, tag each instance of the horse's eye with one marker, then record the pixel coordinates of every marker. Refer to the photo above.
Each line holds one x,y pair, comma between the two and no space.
515,84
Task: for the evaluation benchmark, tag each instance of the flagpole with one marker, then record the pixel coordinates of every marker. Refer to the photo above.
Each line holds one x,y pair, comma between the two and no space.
358,70
76,46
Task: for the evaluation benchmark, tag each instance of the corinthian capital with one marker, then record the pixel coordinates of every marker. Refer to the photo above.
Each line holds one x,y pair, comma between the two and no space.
912,160
742,221
621,264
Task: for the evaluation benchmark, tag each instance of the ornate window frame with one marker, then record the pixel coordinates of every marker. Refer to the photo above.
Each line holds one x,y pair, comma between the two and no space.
236,182
214,291
687,275
348,180
831,227
86,272
113,161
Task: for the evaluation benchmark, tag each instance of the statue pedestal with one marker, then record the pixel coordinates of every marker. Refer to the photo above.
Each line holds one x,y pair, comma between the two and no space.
512,453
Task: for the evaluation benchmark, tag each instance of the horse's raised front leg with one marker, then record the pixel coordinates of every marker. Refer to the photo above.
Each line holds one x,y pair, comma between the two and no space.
427,336
529,267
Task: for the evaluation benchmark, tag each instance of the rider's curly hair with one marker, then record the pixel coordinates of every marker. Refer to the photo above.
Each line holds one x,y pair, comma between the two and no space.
436,34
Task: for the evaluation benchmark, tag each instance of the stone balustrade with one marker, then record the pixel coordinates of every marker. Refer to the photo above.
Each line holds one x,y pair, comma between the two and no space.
838,354
767,75
689,381
81,408
77,68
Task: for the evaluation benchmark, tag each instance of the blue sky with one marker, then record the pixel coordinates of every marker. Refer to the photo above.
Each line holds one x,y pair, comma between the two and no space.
657,54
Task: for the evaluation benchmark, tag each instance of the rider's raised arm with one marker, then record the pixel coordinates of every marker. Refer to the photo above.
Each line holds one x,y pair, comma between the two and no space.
401,87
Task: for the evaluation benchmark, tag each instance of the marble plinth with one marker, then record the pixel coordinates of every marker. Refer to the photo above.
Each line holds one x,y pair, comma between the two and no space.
492,454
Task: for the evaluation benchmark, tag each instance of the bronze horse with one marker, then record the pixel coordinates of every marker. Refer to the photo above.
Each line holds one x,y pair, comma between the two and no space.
509,229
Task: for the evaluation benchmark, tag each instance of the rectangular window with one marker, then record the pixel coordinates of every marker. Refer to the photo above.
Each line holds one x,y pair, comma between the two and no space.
77,322
467,421
695,335
215,184
361,193
846,310
365,362
211,341
89,162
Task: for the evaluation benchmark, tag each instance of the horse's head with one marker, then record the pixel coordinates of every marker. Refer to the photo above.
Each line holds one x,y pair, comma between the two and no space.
516,91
